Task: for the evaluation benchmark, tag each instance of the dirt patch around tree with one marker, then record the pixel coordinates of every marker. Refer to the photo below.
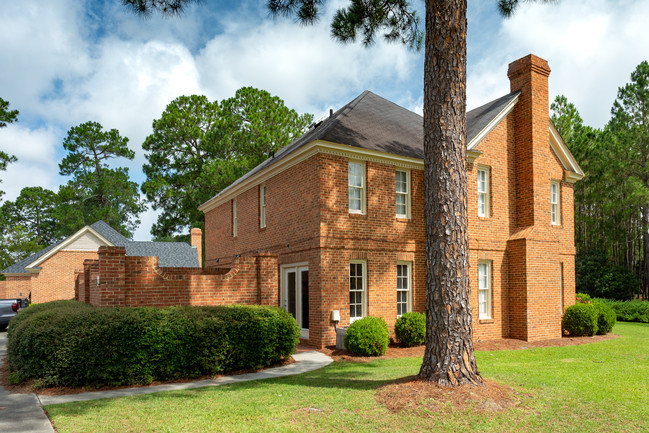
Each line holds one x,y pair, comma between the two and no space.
414,394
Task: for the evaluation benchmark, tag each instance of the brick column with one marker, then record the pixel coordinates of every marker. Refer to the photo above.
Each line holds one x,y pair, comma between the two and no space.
197,241
268,279
112,276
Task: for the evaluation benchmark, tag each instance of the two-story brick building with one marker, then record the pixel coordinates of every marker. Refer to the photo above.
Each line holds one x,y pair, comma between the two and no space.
343,208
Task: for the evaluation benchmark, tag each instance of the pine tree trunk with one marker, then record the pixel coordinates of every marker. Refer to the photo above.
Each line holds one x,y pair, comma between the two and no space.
448,359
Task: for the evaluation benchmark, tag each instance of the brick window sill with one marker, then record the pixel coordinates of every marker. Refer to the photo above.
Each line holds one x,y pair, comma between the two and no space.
486,321
357,215
402,220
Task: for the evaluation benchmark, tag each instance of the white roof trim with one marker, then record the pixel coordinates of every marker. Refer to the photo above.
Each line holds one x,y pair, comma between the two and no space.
495,121
303,153
573,170
68,241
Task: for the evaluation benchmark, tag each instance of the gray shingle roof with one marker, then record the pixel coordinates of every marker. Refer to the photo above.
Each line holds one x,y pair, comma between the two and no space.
374,123
170,254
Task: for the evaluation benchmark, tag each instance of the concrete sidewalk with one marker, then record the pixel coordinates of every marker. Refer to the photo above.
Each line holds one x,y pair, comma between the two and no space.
20,413
304,361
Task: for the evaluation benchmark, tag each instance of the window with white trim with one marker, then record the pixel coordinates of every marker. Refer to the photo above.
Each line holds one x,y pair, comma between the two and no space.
357,289
484,290
483,192
555,203
262,206
356,183
402,189
404,288
234,217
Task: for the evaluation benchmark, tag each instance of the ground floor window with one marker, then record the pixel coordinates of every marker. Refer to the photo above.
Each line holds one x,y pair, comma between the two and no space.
357,289
484,289
404,284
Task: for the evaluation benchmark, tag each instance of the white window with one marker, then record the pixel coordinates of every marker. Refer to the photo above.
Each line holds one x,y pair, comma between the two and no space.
356,182
555,203
402,188
561,285
404,285
357,289
484,290
483,192
262,206
234,217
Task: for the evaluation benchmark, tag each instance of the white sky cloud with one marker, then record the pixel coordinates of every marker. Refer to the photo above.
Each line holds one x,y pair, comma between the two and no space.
65,62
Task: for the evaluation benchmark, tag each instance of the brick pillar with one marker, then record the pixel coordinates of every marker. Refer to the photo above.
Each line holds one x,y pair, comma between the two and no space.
197,241
532,137
268,279
112,276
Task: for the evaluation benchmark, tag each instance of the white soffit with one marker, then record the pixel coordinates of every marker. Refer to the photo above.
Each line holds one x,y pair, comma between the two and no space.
67,242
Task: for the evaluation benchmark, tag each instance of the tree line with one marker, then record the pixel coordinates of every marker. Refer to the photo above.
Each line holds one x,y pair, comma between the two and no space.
197,148
612,201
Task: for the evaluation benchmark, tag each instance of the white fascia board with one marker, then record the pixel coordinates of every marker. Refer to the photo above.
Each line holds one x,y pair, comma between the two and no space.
570,164
496,120
305,152
68,241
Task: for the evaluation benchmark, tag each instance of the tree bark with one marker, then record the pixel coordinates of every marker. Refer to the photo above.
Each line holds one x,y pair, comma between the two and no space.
449,358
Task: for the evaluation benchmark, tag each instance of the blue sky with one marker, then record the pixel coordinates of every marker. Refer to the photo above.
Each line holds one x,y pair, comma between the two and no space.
64,62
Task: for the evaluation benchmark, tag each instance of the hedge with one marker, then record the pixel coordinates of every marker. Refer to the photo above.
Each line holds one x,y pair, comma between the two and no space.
410,329
605,318
580,320
368,336
629,311
73,344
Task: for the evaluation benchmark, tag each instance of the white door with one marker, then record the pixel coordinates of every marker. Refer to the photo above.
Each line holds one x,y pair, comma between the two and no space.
295,295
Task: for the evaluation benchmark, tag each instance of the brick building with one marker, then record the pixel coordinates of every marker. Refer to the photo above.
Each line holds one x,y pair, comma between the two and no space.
49,274
342,207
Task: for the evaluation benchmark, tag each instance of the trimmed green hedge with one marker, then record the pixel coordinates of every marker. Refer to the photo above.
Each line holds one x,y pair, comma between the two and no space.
605,318
73,344
580,320
410,329
368,336
629,311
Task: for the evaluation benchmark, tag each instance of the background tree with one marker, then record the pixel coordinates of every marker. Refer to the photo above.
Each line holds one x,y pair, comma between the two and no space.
6,116
199,147
35,209
449,357
96,191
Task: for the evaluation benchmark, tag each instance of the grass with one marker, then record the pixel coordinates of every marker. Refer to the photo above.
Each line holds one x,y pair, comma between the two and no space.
599,387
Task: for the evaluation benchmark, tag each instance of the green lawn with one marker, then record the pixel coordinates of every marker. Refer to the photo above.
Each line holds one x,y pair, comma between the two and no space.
599,387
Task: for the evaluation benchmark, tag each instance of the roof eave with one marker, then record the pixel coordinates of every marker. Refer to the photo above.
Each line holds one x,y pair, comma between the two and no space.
491,125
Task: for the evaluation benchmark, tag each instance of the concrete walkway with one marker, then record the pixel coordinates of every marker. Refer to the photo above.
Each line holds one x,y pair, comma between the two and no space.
20,413
304,361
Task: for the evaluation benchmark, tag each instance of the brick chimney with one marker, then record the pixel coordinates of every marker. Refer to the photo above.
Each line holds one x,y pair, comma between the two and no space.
196,235
530,75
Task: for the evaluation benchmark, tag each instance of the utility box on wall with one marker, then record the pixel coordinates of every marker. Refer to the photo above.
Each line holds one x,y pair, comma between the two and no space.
340,338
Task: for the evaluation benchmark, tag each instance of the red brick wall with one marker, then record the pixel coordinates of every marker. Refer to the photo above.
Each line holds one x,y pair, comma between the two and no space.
3,289
130,281
18,287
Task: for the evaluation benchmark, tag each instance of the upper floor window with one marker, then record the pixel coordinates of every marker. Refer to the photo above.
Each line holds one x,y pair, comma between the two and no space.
555,203
262,206
483,192
402,188
234,217
484,290
357,289
404,285
356,183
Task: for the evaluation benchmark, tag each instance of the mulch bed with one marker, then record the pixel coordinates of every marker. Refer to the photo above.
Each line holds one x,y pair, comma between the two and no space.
28,387
395,350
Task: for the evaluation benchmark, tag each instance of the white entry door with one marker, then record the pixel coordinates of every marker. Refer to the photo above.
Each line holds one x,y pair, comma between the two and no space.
295,295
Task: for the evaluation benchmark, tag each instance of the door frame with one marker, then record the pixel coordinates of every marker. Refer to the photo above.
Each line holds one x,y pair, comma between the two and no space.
283,292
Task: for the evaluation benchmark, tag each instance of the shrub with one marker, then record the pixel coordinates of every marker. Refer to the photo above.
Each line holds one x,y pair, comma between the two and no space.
598,276
580,319
75,345
410,329
582,298
629,311
368,336
605,318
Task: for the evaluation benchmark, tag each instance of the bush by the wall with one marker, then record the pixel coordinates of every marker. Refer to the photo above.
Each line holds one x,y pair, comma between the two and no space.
605,318
368,336
69,345
583,298
410,329
580,320
629,311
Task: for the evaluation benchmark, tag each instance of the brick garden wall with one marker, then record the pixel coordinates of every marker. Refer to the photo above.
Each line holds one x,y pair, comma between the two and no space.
118,280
